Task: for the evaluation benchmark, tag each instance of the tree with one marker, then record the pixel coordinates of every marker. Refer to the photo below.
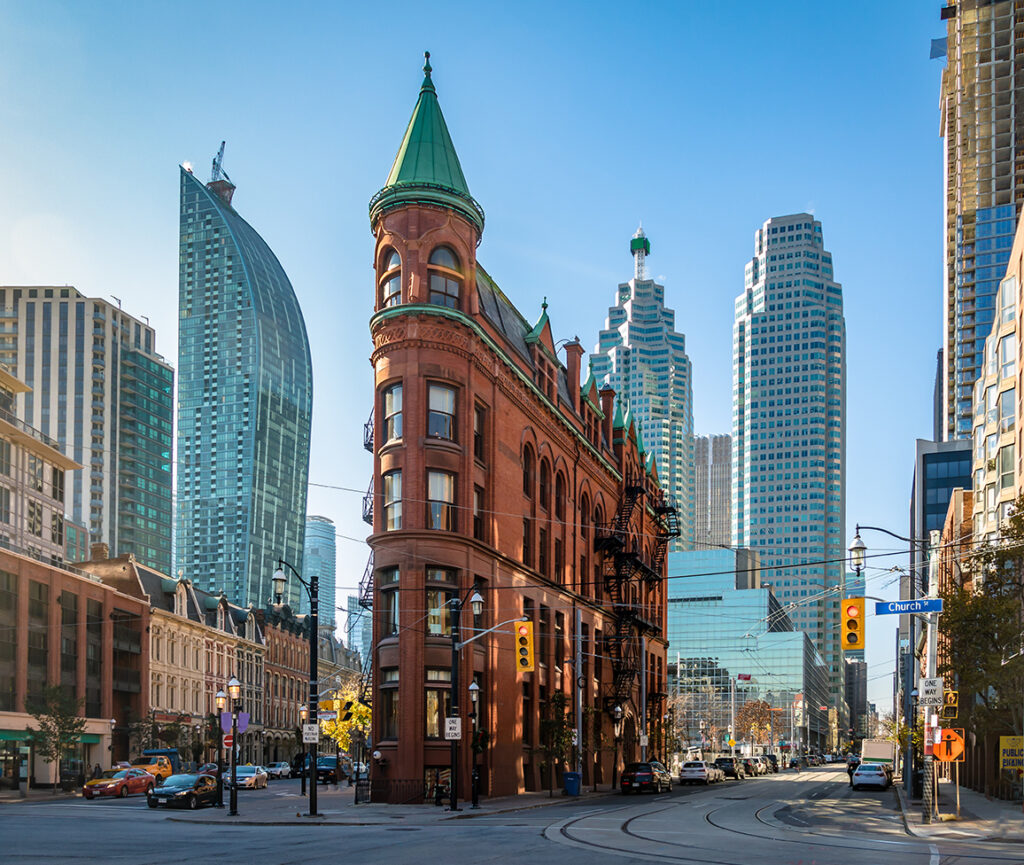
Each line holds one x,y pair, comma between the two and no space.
341,730
981,627
753,721
556,734
56,711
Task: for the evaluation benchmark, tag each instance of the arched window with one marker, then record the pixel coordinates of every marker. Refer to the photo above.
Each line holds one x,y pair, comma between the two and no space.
559,497
584,518
545,485
528,470
445,278
391,281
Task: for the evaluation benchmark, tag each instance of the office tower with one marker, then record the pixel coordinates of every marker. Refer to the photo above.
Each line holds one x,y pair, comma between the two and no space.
712,491
641,356
318,557
982,89
938,403
97,386
789,427
359,629
244,402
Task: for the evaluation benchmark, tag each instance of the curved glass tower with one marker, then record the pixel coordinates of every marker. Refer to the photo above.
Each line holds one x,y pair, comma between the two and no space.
244,402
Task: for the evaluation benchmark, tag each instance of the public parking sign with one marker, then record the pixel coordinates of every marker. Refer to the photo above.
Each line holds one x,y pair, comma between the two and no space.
930,692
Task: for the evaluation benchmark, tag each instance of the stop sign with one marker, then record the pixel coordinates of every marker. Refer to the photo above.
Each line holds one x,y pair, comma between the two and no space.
229,740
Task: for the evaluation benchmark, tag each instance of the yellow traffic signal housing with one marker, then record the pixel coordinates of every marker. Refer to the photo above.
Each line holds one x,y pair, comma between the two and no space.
851,615
524,647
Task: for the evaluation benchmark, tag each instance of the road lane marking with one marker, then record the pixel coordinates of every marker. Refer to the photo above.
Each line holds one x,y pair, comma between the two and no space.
935,855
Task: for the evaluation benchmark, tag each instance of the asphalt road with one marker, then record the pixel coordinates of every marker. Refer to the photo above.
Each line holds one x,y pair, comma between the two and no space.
811,818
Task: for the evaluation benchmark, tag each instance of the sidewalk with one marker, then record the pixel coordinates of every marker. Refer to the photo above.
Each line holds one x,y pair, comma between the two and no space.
981,819
336,808
37,794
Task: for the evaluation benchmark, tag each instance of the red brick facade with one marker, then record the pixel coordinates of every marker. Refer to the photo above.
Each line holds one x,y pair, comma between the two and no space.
514,480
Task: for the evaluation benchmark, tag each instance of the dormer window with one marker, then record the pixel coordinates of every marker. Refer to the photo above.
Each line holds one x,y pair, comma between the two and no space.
391,281
445,278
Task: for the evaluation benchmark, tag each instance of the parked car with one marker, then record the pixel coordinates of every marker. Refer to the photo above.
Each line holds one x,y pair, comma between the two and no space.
749,766
208,769
279,770
251,777
184,791
119,782
762,765
870,775
327,771
699,772
773,762
645,776
157,766
732,767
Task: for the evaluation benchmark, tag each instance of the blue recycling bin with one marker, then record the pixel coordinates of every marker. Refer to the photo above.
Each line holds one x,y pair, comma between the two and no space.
571,780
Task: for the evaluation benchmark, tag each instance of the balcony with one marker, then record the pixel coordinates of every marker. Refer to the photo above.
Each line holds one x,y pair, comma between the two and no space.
368,504
368,433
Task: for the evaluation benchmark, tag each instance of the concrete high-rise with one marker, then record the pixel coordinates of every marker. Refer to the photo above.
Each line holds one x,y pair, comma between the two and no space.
643,358
981,92
712,491
244,402
98,387
319,557
789,427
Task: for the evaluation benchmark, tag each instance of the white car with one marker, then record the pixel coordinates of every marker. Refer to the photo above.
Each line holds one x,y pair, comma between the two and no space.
252,777
699,772
870,775
279,770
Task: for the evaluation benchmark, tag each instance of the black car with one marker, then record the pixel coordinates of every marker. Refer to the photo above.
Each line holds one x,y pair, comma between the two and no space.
186,791
773,761
732,767
327,770
645,776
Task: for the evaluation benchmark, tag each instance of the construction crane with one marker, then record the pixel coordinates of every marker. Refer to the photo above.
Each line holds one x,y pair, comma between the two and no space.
217,172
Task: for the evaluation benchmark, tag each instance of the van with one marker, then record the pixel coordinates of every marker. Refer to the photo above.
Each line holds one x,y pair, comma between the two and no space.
158,766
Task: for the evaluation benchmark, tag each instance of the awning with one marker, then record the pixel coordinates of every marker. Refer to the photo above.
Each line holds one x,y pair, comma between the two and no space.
18,735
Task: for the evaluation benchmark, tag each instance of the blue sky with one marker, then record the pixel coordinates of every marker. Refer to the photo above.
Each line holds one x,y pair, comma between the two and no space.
573,122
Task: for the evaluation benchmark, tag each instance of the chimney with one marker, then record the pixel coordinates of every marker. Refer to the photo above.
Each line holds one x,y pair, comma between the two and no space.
573,356
608,407
99,551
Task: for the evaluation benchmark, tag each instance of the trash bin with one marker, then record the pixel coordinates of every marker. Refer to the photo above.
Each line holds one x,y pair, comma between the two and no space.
571,780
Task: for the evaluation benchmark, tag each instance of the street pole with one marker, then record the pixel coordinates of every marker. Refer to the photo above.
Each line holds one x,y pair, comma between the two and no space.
732,715
234,690
929,760
453,711
220,763
643,699
580,683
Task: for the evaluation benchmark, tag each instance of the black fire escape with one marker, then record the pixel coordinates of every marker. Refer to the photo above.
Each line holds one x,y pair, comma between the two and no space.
626,569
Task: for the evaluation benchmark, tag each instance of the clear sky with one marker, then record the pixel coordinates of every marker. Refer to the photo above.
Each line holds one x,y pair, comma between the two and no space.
573,122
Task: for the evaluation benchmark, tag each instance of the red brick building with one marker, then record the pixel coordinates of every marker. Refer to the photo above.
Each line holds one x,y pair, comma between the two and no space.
494,468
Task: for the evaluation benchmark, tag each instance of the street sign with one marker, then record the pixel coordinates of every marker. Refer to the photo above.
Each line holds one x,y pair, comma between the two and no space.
1011,752
921,605
452,729
229,740
732,742
326,716
950,747
644,740
930,692
310,734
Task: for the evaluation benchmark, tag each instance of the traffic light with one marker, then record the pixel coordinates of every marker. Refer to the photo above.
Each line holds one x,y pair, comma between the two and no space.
950,704
524,647
852,613
347,709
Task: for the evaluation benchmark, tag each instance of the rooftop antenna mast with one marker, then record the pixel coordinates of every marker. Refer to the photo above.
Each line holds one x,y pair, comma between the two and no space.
217,172
640,246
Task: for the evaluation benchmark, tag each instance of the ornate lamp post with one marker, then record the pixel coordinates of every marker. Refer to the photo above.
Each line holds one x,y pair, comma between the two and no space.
474,696
313,590
113,724
221,700
617,730
303,714
234,691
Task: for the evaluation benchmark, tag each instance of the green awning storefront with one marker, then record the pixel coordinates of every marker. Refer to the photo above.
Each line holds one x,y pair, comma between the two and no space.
18,735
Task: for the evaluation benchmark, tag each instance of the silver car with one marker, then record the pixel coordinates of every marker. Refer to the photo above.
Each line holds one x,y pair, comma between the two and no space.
279,770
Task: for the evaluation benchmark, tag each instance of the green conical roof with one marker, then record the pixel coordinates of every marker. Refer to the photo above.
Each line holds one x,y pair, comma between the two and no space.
427,169
618,421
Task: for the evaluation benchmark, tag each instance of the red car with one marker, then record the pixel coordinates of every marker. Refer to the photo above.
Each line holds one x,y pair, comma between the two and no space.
119,782
645,776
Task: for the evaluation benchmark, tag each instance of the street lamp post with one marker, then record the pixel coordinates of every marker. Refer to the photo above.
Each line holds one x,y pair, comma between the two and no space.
113,724
234,691
475,600
617,731
474,695
313,590
303,712
220,700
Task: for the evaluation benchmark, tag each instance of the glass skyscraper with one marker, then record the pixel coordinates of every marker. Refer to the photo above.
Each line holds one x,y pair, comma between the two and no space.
244,403
723,624
789,427
319,557
640,355
100,389
712,491
982,88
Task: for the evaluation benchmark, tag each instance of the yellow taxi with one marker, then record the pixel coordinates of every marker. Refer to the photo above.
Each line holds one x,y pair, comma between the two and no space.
157,766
